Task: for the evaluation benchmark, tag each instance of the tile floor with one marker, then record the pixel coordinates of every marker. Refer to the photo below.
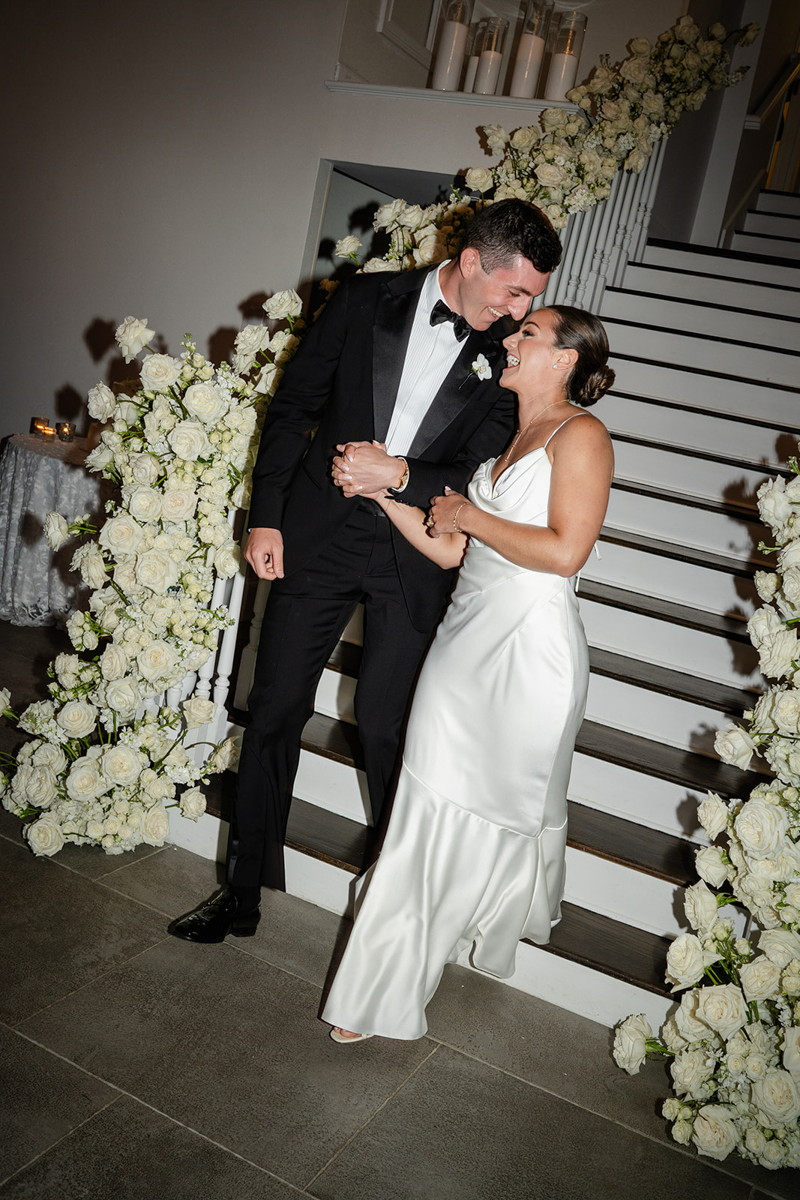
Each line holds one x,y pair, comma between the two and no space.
137,1065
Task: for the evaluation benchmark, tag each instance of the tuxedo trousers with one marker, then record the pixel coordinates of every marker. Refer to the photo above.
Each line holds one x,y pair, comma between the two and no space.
305,616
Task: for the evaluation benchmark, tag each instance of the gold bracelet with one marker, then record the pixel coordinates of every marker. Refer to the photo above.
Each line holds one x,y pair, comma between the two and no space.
404,477
455,517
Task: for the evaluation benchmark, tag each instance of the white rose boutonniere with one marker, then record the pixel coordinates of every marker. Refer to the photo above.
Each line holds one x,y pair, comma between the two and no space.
481,367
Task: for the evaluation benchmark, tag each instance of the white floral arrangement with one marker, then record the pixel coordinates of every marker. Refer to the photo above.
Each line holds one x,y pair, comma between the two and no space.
735,1038
107,755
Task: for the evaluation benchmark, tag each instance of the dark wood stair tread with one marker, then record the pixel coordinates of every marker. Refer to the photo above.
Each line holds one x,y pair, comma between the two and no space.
610,946
632,955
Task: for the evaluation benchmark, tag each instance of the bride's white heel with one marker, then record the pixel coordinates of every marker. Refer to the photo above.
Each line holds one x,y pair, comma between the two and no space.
345,1038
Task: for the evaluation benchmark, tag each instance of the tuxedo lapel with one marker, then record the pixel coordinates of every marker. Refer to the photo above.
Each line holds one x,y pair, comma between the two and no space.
394,317
459,387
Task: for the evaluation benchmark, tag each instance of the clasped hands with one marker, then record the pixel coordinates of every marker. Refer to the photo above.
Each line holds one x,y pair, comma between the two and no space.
365,469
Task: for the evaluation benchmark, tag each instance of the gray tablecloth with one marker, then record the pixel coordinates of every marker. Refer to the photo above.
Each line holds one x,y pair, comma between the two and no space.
36,584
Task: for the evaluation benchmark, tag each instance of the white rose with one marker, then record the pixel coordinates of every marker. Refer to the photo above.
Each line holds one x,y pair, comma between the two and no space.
479,179
686,1021
56,530
791,1051
35,784
77,718
227,559
44,836
99,458
189,442
715,1134
773,504
122,695
634,70
283,304
144,504
640,45
775,656
121,764
776,1098
159,372
86,780
157,570
551,175
760,978
711,865
193,803
178,504
113,662
723,1009
224,756
347,246
197,657
242,494
155,826
686,961
88,559
763,625
554,118
132,335
700,906
249,342
691,1071
734,746
50,755
157,660
101,402
780,945
378,264
713,815
121,535
198,711
630,1043
760,828
145,469
387,214
204,401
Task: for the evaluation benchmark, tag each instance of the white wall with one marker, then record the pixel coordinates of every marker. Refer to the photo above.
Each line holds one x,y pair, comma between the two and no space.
161,160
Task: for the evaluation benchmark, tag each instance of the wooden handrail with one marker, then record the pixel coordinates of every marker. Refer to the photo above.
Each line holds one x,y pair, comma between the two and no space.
754,120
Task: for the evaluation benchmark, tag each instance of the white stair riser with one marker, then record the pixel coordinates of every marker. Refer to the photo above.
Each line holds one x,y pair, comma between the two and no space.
714,393
774,224
686,285
778,202
626,895
725,358
643,799
753,328
687,526
665,644
333,785
775,247
654,575
660,718
612,702
720,265
689,476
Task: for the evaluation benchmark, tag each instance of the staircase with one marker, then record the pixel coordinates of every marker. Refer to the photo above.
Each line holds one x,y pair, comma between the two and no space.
706,405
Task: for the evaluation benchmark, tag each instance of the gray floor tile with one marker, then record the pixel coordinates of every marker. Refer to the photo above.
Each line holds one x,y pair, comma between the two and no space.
94,863
293,934
230,1046
59,931
45,1098
129,1152
460,1130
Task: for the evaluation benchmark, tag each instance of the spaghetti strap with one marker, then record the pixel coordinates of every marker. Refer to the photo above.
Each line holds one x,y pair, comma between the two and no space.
561,426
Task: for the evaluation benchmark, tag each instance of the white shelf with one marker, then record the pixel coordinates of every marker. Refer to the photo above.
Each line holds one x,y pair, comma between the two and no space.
408,93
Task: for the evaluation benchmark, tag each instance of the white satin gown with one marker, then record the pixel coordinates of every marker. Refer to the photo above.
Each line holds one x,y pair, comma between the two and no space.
474,853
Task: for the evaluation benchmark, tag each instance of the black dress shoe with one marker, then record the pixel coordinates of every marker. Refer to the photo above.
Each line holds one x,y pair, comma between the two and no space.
215,918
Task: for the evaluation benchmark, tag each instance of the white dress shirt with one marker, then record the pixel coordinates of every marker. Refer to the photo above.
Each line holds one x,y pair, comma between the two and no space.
431,352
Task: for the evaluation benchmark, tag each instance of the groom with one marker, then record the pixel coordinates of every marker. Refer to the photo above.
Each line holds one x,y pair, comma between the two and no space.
411,360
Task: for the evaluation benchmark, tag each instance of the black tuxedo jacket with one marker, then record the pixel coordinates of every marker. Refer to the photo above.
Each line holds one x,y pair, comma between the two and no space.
343,380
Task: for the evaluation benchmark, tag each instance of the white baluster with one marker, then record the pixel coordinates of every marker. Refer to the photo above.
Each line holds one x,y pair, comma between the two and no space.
228,644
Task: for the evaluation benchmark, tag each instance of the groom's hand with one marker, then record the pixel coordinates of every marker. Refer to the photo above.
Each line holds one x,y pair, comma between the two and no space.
264,552
364,468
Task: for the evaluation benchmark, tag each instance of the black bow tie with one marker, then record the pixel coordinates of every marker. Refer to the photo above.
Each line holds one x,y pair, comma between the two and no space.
441,312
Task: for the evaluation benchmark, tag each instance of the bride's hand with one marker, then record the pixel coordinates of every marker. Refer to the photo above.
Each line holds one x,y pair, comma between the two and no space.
444,513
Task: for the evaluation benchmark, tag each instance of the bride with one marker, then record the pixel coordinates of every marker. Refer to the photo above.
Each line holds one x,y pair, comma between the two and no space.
474,852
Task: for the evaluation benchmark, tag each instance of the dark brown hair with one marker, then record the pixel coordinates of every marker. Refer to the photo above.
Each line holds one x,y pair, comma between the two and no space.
591,377
502,231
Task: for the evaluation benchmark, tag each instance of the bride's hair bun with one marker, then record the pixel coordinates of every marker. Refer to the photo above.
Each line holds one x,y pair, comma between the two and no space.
591,377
